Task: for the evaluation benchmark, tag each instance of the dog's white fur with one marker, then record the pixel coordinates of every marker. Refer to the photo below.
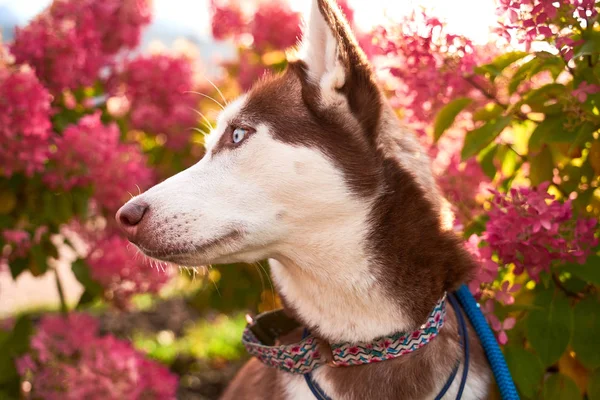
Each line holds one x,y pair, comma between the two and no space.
288,202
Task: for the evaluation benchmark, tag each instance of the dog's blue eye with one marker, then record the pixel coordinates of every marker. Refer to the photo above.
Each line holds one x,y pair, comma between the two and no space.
238,135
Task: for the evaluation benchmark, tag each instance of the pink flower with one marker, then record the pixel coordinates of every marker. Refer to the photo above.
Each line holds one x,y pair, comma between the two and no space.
500,327
69,360
90,153
505,294
158,89
488,270
72,40
461,183
531,20
530,229
115,264
25,128
275,25
583,90
426,65
227,19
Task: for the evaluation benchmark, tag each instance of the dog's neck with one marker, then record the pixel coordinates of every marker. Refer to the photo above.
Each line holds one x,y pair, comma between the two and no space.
332,284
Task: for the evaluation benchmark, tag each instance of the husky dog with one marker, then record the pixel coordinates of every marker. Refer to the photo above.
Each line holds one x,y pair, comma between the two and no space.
312,170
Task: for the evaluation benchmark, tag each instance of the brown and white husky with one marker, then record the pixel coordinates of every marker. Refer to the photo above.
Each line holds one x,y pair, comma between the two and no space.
312,170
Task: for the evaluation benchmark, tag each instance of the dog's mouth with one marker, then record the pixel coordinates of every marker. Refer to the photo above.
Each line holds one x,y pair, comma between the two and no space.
190,255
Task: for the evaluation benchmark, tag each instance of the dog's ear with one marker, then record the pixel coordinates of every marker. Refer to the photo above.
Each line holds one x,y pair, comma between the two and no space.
336,63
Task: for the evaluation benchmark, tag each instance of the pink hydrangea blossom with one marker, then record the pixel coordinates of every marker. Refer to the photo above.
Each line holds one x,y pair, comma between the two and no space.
274,25
426,64
227,20
488,269
500,327
531,229
461,182
505,294
25,128
122,272
529,20
69,360
583,90
158,88
90,153
72,40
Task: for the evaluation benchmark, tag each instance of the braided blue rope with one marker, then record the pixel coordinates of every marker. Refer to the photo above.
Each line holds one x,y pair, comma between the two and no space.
506,385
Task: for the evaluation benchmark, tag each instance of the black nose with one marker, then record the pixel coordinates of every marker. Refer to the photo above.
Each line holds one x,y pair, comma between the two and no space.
130,215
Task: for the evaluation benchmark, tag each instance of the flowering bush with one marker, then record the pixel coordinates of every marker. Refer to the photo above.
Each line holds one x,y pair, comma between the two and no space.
69,360
512,128
82,124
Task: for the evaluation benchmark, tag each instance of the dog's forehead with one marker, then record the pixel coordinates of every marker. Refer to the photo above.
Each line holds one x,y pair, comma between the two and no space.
275,101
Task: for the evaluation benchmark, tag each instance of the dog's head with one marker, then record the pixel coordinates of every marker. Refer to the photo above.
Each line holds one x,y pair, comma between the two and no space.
304,157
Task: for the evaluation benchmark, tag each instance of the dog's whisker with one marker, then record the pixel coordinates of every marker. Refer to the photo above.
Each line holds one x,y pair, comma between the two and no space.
208,97
217,89
200,131
270,282
262,281
203,117
214,283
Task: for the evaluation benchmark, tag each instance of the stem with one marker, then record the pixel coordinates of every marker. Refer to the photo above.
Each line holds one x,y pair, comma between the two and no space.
61,294
490,96
522,156
569,293
561,190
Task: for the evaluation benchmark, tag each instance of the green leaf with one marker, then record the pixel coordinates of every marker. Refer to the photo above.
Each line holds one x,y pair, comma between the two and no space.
543,61
522,73
510,160
479,138
586,332
560,387
39,258
16,345
445,118
86,298
495,68
544,130
17,266
526,369
490,111
92,288
590,47
549,330
486,160
593,389
541,166
589,272
584,134
538,98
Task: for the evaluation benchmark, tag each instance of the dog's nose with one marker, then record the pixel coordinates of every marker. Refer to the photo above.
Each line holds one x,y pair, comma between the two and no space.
130,215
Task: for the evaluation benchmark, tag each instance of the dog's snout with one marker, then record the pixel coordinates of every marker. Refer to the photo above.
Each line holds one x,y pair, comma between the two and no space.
130,215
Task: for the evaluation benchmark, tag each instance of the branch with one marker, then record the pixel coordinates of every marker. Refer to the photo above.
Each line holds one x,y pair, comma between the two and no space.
490,96
61,294
569,293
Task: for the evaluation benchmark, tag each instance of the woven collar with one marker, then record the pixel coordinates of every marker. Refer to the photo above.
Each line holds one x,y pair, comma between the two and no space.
260,339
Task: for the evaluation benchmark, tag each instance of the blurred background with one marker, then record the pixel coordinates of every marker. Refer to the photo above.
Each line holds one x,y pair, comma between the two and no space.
101,99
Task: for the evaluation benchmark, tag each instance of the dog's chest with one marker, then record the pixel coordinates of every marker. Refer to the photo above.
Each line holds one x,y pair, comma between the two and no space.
296,388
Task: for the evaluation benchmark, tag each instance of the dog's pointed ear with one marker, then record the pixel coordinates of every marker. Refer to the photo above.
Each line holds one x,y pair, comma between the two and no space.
336,63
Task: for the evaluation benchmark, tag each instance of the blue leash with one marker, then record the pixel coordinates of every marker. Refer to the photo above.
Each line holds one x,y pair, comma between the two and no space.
506,385
507,388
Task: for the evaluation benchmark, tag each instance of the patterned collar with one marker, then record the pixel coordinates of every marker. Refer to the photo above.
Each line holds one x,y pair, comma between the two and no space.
261,334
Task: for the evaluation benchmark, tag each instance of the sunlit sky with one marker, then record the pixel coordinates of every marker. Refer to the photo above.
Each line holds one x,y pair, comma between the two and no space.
471,18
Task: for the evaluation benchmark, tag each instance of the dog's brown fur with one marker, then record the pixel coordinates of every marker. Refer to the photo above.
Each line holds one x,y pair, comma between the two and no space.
416,259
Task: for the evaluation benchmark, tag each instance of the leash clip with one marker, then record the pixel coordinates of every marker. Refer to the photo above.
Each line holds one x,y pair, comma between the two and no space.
330,359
